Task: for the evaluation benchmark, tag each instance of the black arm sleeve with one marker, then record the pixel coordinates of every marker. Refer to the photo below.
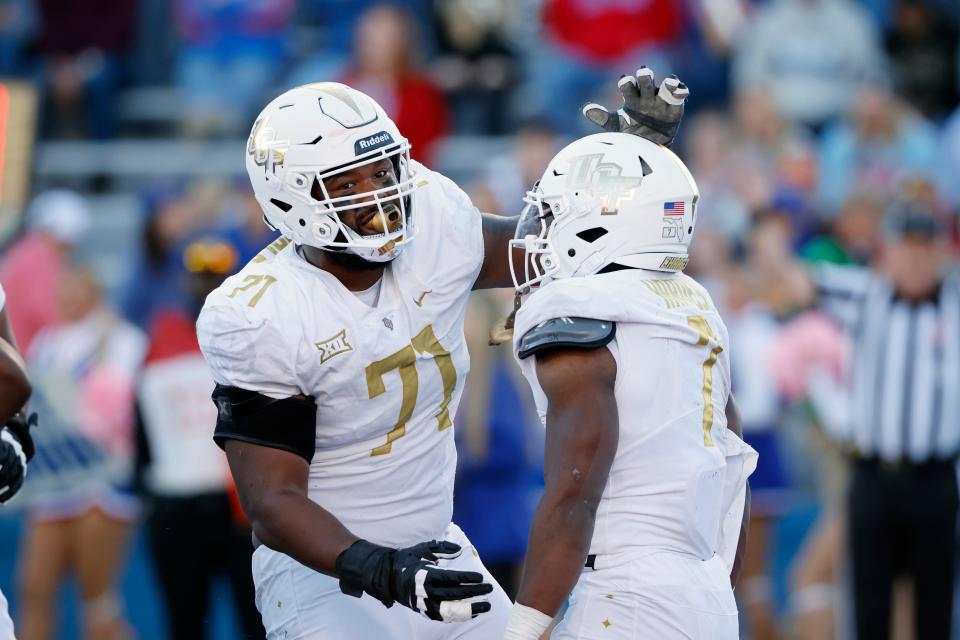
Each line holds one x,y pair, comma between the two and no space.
576,333
289,424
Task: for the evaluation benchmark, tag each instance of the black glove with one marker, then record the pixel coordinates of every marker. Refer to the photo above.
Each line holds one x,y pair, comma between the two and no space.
411,577
16,449
13,466
20,425
647,112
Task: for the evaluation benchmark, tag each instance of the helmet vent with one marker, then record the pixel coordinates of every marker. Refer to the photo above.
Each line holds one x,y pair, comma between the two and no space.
315,140
280,204
646,168
591,235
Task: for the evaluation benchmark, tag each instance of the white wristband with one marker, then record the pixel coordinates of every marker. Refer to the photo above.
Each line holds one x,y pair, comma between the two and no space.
526,623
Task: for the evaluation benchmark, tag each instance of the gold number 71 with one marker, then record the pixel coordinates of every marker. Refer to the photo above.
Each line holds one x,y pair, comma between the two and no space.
252,281
702,327
405,362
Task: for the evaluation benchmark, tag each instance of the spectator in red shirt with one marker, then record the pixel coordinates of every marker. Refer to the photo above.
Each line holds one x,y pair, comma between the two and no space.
603,31
585,41
385,69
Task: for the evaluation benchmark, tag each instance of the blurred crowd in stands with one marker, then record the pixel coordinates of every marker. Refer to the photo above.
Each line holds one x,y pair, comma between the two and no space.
808,121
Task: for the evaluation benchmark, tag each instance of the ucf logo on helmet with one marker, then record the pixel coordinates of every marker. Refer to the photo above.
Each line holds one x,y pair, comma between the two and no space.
603,179
267,152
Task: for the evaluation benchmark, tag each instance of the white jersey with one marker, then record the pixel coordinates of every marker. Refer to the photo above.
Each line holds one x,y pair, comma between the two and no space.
386,378
665,488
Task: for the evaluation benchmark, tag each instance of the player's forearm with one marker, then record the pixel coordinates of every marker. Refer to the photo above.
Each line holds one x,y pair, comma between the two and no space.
741,542
15,396
497,233
559,543
581,443
13,381
291,523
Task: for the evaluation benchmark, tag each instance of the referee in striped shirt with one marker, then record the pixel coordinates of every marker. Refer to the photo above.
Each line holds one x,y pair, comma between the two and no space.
903,430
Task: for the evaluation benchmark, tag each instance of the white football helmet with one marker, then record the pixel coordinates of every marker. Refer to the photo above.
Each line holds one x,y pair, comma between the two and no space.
606,198
316,131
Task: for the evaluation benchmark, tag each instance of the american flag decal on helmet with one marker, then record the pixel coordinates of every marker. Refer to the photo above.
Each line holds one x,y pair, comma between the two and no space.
673,208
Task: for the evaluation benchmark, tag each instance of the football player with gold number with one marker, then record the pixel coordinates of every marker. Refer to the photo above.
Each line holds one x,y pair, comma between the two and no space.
340,360
640,520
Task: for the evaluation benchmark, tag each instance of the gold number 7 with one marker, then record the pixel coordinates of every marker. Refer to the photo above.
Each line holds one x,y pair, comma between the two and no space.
405,361
702,327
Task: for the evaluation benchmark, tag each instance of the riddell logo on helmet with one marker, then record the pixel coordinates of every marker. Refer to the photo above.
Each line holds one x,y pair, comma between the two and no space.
377,140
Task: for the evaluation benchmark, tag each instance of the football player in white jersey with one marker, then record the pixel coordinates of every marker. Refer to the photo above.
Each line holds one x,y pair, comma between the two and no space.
640,520
340,360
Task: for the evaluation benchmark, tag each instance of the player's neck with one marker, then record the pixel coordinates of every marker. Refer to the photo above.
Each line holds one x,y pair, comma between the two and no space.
353,272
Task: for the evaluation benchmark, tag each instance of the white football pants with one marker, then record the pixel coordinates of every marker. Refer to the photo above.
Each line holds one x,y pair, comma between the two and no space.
662,596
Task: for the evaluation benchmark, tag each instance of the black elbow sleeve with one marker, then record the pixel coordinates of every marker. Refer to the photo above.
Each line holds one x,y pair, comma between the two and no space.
288,424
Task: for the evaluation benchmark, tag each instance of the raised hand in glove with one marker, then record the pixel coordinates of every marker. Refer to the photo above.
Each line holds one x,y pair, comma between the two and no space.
16,449
411,577
647,111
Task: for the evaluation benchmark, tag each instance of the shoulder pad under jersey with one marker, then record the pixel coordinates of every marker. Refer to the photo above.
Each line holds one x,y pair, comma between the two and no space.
577,333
